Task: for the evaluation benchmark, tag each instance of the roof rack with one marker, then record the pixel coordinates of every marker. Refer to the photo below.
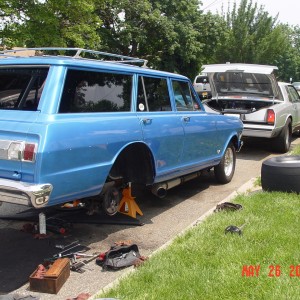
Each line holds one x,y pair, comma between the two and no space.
73,52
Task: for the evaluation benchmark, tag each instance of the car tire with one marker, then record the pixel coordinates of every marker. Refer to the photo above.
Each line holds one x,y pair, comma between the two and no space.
283,141
281,173
111,201
225,169
296,133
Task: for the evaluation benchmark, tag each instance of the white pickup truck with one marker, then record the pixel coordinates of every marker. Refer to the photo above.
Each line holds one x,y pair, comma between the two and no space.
267,108
202,86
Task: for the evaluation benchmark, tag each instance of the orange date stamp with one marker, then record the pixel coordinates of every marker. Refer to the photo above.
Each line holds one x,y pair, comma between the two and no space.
272,271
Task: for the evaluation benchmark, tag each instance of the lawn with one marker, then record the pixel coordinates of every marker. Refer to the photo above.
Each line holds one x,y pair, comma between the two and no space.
296,151
205,263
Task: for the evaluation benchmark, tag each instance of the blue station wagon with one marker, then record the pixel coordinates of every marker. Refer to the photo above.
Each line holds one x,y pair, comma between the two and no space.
83,124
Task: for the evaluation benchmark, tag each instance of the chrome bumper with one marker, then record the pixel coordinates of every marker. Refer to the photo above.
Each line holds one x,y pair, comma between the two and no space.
17,192
260,131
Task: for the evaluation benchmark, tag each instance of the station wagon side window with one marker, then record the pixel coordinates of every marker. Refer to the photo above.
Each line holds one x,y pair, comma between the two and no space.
153,94
21,87
184,98
87,91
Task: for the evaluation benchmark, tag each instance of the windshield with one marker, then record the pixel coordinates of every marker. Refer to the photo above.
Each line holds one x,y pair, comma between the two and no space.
202,79
21,88
245,84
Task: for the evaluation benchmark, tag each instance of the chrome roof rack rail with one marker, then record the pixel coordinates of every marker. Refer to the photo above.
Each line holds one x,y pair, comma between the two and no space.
77,53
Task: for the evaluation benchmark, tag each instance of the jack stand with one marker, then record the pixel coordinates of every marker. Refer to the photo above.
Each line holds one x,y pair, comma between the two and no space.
128,205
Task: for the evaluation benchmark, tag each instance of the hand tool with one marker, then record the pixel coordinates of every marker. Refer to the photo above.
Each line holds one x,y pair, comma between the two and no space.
65,246
68,249
78,266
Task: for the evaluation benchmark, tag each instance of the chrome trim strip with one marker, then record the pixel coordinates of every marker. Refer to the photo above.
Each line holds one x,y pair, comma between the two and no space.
24,193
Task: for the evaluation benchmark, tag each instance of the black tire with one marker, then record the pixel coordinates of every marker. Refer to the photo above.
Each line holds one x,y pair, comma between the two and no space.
281,173
282,143
111,201
296,133
225,169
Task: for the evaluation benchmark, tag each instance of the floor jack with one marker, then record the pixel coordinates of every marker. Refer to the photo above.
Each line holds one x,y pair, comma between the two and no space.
128,206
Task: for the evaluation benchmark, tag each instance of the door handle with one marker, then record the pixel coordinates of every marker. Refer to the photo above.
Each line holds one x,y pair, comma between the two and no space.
186,119
146,121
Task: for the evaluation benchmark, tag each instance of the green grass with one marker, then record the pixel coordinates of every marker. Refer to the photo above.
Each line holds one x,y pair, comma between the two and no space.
295,151
257,182
206,263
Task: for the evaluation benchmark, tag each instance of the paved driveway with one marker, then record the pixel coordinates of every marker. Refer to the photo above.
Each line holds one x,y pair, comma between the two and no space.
163,219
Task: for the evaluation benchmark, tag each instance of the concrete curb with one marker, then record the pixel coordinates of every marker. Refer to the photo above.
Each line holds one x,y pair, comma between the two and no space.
246,188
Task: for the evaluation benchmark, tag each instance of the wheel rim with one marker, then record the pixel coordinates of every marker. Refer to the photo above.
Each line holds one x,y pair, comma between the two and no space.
111,201
228,162
287,138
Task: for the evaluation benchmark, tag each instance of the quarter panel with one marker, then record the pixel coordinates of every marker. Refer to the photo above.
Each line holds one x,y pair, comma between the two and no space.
80,149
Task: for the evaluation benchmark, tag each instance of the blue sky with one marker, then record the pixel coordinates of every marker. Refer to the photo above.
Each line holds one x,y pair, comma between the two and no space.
289,10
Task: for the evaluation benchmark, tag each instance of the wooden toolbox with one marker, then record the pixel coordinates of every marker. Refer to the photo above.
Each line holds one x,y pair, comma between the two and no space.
53,279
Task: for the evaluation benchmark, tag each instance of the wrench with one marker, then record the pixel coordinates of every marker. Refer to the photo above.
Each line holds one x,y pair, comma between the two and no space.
60,253
65,246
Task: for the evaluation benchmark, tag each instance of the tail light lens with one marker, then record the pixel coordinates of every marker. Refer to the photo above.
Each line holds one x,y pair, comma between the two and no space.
14,151
270,116
29,152
21,151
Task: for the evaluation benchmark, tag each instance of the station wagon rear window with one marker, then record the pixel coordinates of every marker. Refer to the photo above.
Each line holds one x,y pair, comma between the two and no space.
21,87
87,91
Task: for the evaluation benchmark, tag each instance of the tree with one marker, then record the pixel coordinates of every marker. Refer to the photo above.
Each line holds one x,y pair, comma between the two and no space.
212,30
248,29
173,35
57,23
164,32
252,36
287,58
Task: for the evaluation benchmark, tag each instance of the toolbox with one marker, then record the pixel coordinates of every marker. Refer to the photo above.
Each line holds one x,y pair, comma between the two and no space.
53,279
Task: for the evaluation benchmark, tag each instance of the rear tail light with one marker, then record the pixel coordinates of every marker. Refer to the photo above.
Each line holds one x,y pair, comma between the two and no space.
21,151
15,151
29,152
270,116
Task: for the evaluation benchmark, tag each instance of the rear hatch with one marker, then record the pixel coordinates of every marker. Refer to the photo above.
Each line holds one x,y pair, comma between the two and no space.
242,89
20,91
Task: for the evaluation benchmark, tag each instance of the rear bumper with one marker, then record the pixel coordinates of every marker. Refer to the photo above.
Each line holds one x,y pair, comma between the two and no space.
16,192
263,131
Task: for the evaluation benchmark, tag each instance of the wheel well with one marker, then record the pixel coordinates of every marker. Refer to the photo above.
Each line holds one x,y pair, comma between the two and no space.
134,164
291,122
289,119
234,141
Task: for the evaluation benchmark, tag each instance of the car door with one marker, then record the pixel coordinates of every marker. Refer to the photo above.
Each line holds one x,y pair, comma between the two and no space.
295,100
201,136
161,126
